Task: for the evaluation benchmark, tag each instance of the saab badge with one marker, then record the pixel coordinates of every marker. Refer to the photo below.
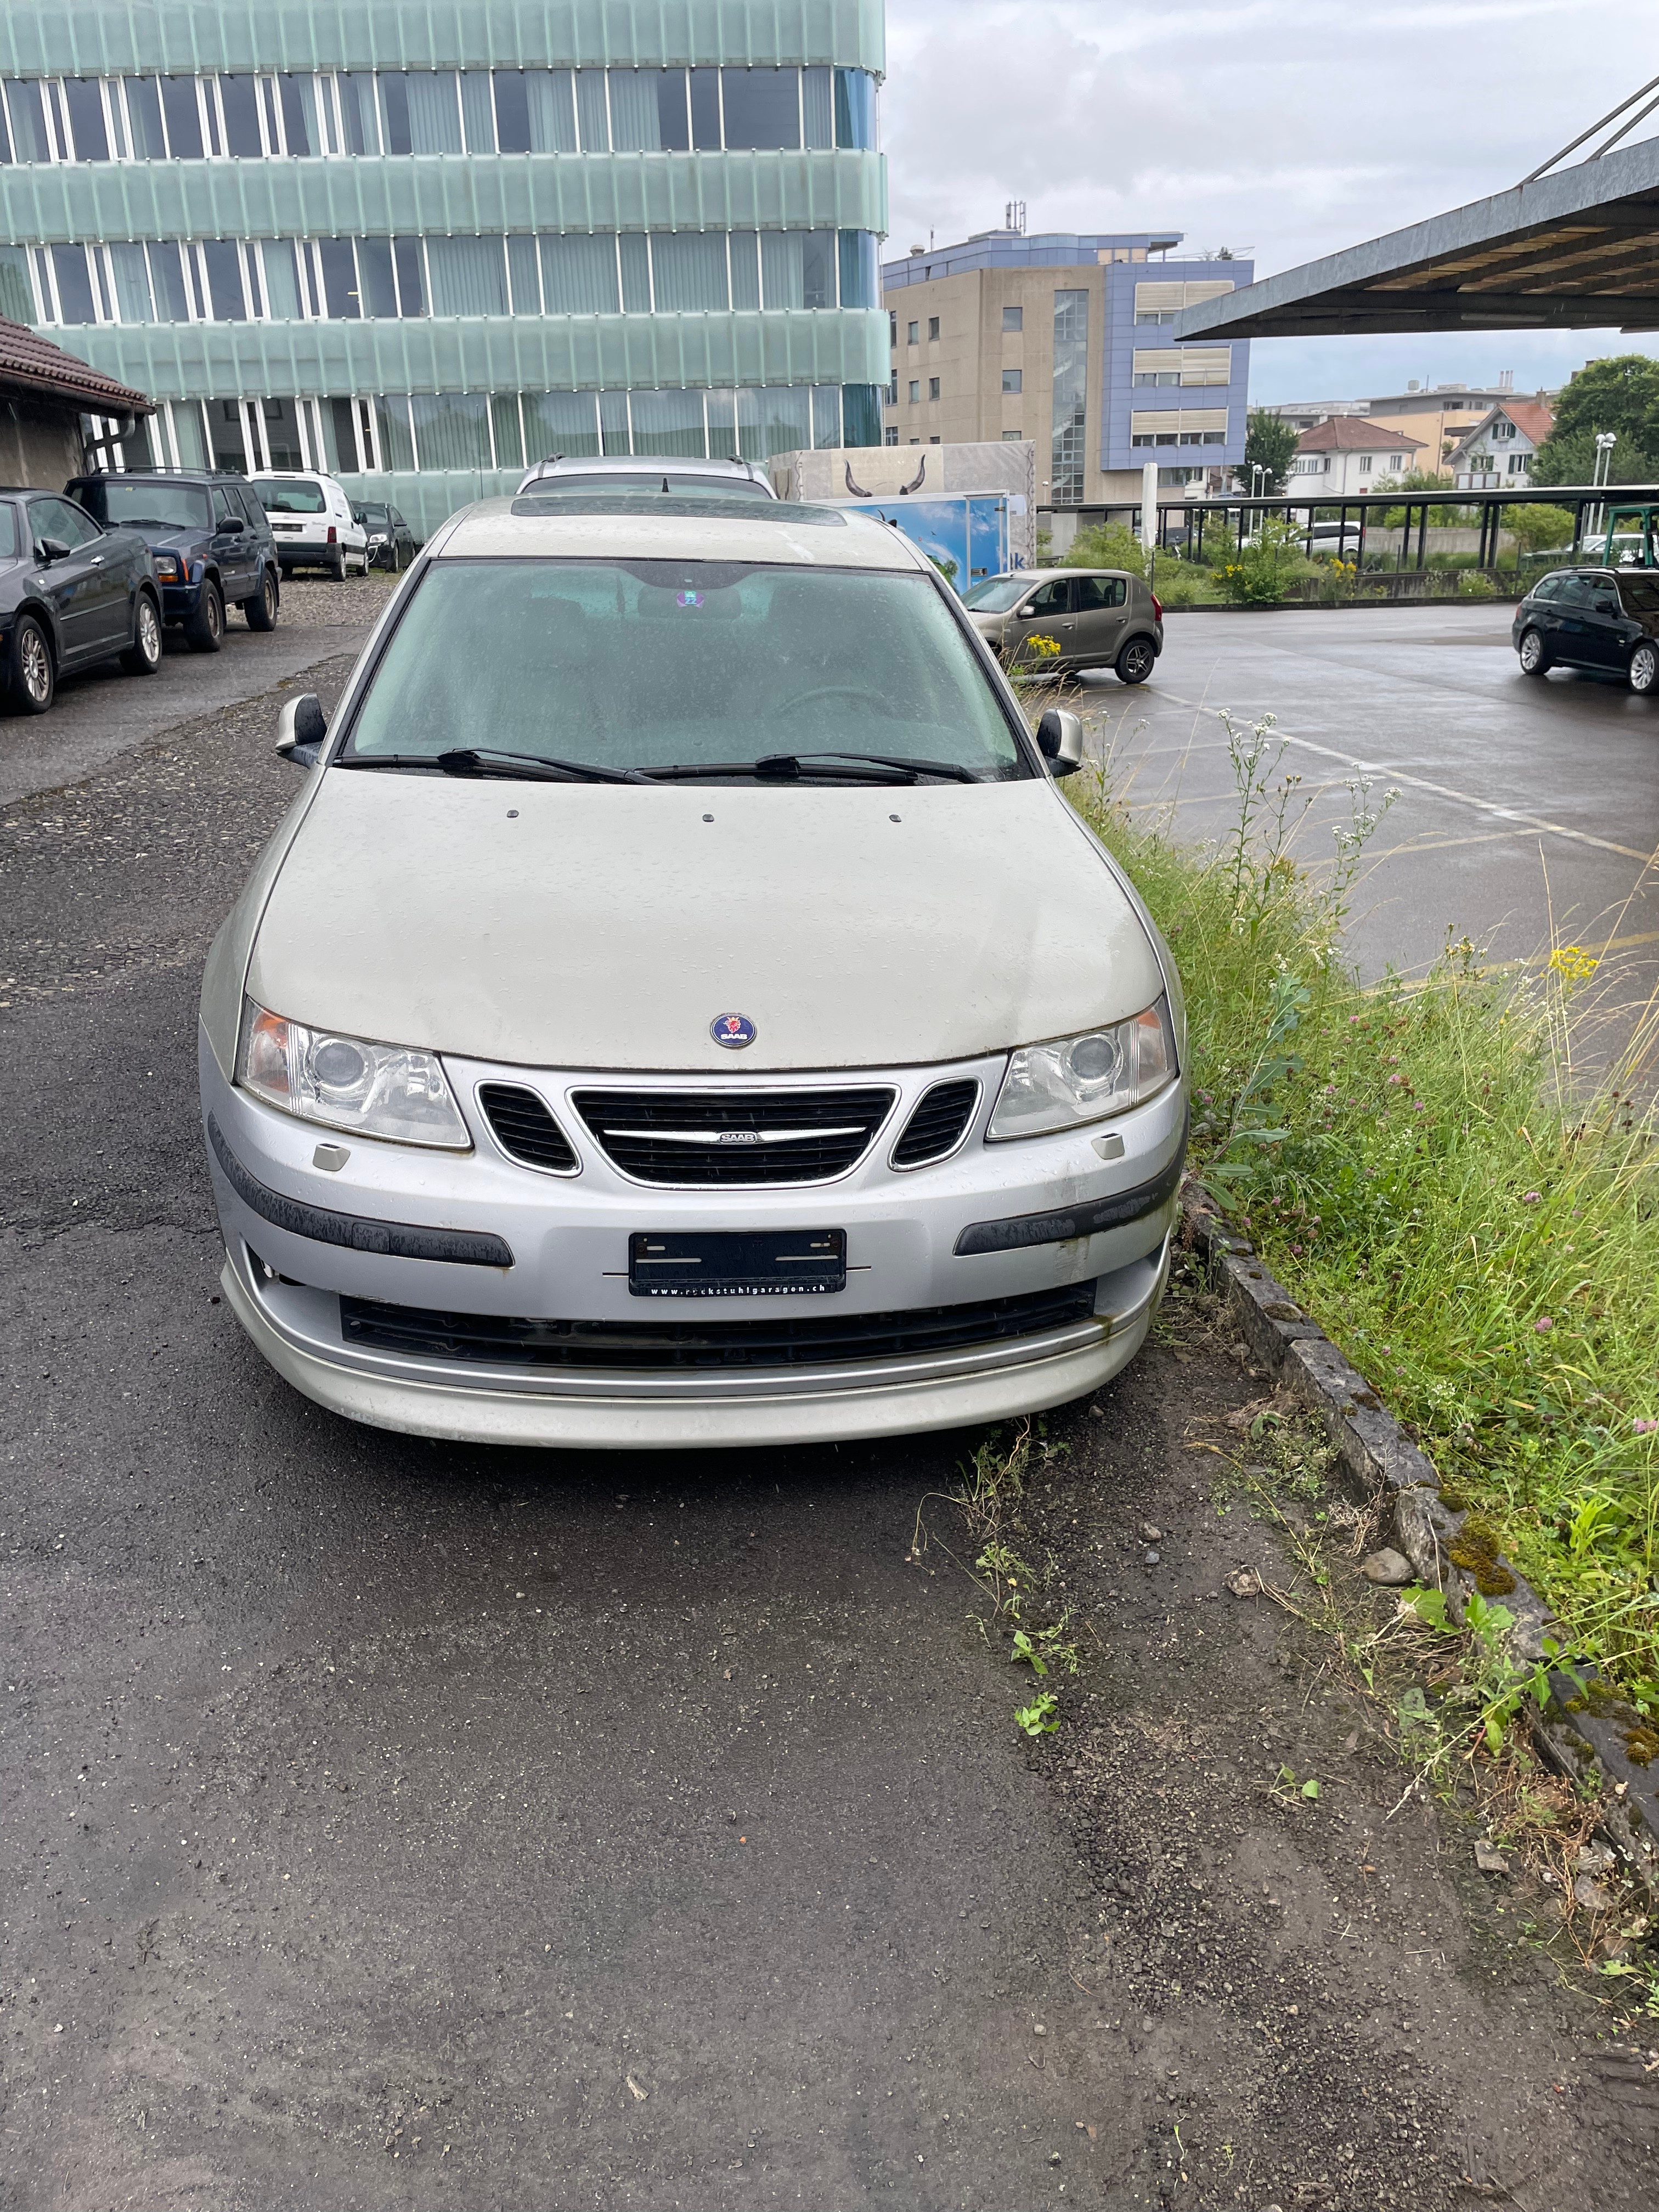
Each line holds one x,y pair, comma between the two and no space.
732,1030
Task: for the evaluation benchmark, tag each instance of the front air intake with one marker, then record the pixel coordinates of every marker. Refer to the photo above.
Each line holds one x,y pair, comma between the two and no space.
524,1129
936,1127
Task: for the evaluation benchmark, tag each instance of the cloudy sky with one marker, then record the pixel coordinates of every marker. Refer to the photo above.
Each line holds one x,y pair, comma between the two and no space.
1285,129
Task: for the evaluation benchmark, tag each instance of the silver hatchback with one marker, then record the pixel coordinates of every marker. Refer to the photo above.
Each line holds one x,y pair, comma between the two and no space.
1098,619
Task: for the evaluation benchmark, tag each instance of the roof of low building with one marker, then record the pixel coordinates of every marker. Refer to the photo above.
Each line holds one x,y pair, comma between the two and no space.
32,364
1353,434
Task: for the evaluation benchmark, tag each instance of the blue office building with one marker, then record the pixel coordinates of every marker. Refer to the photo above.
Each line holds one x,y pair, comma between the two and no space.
416,245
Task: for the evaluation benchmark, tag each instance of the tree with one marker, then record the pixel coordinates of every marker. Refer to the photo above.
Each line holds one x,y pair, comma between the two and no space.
1534,527
1620,394
1270,444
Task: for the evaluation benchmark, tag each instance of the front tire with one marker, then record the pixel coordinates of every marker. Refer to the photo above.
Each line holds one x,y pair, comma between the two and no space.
143,656
261,609
1533,653
205,630
32,676
1136,661
1644,669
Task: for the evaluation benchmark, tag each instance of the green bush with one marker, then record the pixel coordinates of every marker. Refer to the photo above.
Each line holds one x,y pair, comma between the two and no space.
1182,584
1261,571
1424,1169
1473,584
1106,545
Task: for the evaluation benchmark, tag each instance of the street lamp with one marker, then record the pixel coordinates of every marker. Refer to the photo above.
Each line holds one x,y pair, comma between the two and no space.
1605,442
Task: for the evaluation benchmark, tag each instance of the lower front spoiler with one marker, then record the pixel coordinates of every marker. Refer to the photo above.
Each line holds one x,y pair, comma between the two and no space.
809,1410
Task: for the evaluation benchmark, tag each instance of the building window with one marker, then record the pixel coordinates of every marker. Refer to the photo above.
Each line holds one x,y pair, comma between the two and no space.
1396,462
1161,315
933,388
1502,430
932,327
892,330
915,391
1013,380
933,441
1517,465
1012,437
892,392
913,334
1365,464
1013,319
889,436
1071,385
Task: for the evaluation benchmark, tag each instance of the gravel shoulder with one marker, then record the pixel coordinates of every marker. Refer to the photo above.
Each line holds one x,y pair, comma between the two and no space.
386,1825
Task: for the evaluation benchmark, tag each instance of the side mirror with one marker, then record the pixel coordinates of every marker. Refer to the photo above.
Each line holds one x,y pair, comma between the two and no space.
48,550
302,730
232,527
1024,613
1059,740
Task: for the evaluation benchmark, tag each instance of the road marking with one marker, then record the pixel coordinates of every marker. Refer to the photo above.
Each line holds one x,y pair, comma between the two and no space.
1448,791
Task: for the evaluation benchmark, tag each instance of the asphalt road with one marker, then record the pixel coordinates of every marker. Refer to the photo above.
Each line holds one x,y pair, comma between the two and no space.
385,1824
1528,814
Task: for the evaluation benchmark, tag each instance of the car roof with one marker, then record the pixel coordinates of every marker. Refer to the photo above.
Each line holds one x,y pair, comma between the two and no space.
720,467
1045,575
772,532
159,475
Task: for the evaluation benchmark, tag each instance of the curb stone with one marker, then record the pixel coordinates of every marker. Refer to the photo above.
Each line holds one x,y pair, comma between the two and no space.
1585,1731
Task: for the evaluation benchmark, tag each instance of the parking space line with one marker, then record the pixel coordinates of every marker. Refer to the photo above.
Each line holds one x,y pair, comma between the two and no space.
1448,791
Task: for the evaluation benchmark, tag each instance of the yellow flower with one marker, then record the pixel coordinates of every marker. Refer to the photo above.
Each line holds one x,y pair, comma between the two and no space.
1572,962
1045,646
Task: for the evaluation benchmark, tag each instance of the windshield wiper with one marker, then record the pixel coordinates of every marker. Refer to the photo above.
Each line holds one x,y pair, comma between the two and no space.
536,767
789,768
525,768
911,768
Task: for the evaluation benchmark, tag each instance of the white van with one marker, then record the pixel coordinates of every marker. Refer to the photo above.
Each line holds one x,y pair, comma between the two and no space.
311,521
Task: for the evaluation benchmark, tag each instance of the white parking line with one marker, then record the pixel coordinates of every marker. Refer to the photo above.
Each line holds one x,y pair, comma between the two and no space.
1444,791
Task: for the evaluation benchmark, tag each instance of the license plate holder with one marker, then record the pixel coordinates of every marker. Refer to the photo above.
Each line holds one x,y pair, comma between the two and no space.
737,1263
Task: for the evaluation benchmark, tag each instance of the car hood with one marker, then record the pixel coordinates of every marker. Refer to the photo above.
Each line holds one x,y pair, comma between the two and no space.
582,925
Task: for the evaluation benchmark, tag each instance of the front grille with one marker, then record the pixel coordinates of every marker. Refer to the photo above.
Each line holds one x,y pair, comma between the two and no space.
525,1129
936,1126
700,1138
652,1348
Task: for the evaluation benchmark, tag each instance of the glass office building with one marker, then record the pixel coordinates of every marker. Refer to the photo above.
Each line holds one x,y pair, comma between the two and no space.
416,243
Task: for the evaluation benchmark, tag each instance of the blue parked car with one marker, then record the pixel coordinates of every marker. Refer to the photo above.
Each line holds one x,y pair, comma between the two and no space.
210,537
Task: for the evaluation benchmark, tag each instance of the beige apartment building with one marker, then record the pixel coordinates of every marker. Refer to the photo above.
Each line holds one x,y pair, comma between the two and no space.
1062,340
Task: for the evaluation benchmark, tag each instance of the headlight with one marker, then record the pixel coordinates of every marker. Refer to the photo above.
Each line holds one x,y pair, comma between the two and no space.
378,1089
168,568
1083,1078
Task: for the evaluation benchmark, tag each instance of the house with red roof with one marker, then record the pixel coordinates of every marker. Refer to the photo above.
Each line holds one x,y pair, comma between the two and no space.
1495,454
1349,453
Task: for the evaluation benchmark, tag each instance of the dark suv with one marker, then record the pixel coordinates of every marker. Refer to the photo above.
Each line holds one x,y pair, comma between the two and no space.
210,539
1605,619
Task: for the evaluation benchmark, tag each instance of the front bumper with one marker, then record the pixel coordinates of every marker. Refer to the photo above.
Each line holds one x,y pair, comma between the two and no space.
299,1239
180,601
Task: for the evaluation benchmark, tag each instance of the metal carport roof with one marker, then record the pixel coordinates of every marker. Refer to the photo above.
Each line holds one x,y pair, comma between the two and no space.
1578,250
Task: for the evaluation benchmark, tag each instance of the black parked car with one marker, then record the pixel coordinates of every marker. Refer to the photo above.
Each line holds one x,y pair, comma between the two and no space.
71,594
1597,618
210,537
391,540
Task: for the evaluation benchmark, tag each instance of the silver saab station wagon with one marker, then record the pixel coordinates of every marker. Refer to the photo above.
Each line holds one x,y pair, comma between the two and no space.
681,1009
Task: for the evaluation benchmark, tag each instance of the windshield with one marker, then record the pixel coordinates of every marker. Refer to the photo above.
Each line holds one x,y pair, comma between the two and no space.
655,664
996,594
375,517
289,498
162,506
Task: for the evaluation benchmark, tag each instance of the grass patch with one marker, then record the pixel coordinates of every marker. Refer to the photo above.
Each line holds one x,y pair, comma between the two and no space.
1475,1227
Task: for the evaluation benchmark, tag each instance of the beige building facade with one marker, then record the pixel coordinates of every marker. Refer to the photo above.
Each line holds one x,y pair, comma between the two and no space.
1063,341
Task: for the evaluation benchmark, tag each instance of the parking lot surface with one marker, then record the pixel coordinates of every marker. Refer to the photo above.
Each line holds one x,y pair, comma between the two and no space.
384,1823
1529,810
100,716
